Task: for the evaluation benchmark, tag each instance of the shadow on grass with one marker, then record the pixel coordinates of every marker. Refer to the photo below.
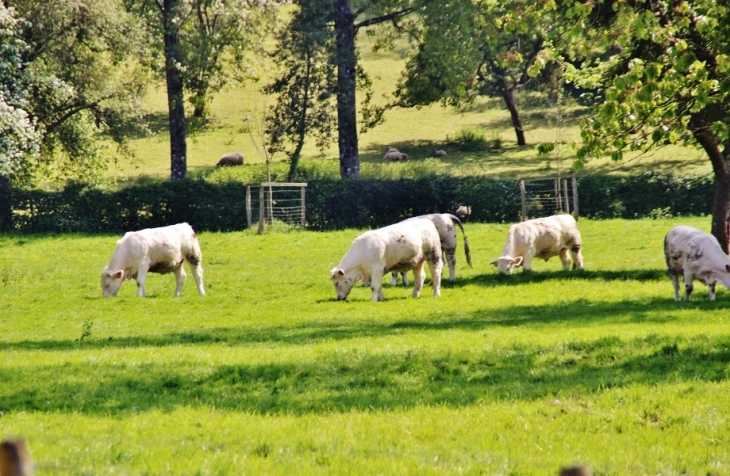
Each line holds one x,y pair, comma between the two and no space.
528,277
360,380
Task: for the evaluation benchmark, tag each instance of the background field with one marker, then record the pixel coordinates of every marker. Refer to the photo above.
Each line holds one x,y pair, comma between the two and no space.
269,374
238,110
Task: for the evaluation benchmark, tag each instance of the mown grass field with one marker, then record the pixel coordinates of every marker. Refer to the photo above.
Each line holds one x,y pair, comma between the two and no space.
269,374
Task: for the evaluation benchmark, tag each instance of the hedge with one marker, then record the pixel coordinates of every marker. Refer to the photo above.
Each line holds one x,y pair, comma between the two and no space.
336,204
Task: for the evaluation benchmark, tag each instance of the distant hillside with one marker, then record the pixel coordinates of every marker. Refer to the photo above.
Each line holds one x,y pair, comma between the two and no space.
415,131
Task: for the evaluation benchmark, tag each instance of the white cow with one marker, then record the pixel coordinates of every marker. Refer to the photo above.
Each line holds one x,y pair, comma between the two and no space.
444,223
400,247
155,250
693,253
542,238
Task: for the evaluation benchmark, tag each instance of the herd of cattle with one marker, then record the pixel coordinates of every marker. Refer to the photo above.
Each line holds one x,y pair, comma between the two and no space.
408,245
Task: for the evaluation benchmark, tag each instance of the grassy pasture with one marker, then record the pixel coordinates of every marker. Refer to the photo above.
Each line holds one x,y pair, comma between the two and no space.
417,131
269,374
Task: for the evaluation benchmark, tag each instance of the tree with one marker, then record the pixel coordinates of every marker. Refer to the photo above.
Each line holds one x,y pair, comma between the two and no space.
19,139
218,42
670,84
341,22
467,49
305,84
196,38
83,83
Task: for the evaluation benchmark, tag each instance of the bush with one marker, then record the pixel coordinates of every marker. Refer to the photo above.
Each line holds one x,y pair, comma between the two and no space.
332,203
469,140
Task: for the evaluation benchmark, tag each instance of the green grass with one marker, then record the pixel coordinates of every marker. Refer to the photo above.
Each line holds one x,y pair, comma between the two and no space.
269,374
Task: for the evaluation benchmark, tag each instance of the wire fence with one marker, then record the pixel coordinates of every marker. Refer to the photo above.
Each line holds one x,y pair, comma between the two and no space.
546,196
270,202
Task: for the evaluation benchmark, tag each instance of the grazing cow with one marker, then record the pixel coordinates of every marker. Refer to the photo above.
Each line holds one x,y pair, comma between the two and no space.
234,158
463,210
692,253
439,153
444,223
542,238
155,250
401,247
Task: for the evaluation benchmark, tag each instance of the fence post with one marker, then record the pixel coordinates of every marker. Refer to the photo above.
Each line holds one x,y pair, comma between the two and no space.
523,195
14,459
304,221
575,197
261,209
248,206
565,196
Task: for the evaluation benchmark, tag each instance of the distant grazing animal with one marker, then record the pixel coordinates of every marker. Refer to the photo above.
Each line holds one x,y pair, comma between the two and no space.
234,158
542,238
401,247
394,154
439,153
694,254
155,250
463,211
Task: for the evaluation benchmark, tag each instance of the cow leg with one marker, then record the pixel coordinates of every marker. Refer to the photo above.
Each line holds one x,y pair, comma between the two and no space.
376,285
418,279
565,259
712,291
197,268
405,279
436,265
179,279
142,278
527,261
674,276
688,287
451,260
394,279
577,257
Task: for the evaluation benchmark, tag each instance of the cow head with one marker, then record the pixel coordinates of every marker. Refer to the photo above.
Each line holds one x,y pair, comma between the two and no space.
343,283
111,281
507,264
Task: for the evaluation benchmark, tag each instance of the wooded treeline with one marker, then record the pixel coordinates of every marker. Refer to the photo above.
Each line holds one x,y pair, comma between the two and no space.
75,72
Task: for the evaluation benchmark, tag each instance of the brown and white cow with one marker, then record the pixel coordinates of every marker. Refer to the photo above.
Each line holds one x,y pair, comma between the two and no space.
544,238
444,223
694,254
401,247
155,250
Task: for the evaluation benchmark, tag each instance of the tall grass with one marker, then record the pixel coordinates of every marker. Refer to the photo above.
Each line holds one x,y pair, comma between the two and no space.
269,374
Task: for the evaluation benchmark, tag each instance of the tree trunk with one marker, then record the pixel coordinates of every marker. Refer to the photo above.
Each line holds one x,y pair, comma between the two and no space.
200,104
721,168
346,105
302,126
6,206
175,97
509,100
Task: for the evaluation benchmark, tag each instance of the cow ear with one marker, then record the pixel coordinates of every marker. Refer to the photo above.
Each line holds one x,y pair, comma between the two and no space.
494,263
117,274
517,261
340,272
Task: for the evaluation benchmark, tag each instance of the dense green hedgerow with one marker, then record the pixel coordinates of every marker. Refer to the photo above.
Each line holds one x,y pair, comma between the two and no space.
336,204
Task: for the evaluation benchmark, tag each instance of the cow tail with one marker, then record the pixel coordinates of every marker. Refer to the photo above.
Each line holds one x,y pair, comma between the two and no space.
467,250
